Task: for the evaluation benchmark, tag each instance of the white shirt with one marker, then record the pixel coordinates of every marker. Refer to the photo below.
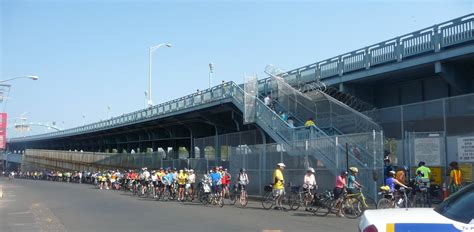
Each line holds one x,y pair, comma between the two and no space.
192,178
309,181
243,179
267,100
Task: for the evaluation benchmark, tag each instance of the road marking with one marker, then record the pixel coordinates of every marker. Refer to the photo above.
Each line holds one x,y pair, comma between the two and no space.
265,230
17,213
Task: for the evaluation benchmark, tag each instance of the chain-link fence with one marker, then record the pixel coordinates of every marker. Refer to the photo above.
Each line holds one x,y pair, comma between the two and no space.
410,131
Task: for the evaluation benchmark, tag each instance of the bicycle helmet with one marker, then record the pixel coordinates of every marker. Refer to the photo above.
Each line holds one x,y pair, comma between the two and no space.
242,170
354,169
310,170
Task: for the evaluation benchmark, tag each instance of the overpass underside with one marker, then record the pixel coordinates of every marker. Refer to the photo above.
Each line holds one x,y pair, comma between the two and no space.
173,136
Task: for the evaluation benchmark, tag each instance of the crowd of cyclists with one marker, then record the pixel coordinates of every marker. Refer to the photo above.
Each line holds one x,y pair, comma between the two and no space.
217,186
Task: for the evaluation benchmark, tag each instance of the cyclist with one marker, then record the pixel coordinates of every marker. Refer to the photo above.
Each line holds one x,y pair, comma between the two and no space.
225,182
167,179
215,180
454,177
191,181
401,174
182,177
391,181
279,185
339,190
309,183
426,171
352,184
243,179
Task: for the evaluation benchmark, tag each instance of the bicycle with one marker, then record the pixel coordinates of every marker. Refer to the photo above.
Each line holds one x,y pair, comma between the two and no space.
354,204
391,200
215,197
323,204
240,193
298,198
269,199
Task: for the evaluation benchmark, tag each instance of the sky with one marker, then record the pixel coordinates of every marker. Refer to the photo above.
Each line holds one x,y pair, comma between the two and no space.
92,54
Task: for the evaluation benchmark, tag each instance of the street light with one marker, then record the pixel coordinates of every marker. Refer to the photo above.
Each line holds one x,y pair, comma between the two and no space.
32,77
211,71
152,49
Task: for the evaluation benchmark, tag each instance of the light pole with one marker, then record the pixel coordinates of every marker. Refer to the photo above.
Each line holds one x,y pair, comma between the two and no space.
211,71
152,49
32,77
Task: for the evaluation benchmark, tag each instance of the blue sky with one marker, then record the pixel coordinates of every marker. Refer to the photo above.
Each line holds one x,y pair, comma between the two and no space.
94,54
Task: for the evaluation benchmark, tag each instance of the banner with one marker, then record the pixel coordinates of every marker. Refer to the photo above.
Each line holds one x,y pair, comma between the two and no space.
3,130
466,149
428,150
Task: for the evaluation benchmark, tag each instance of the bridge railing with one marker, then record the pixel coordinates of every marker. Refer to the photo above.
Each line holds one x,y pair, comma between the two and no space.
428,40
197,99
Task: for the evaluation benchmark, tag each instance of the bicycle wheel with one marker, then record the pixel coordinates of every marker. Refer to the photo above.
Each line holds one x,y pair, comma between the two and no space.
294,201
351,209
322,208
232,198
204,199
220,201
243,199
384,203
267,200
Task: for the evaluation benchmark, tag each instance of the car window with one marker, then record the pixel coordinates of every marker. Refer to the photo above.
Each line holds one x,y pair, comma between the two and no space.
459,206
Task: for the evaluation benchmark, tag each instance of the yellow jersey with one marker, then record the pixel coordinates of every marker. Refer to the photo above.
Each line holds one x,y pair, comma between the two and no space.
182,177
278,180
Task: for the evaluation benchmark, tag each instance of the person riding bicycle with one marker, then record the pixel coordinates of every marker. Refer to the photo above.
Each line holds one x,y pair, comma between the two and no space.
279,185
215,177
352,184
309,183
182,177
426,171
243,179
339,192
225,181
191,181
391,182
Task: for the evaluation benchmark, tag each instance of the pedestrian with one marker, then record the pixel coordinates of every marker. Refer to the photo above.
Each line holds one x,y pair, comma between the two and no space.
309,123
455,177
291,122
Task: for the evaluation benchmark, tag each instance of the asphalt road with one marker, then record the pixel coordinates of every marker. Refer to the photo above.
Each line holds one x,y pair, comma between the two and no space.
29,205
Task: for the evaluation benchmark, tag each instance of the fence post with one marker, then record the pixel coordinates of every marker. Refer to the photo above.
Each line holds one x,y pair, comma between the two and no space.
337,154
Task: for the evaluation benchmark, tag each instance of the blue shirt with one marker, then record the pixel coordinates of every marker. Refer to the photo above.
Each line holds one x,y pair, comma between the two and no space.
350,181
391,183
215,177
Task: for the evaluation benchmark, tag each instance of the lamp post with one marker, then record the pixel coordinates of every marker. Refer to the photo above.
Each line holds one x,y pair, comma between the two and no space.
152,49
32,77
211,71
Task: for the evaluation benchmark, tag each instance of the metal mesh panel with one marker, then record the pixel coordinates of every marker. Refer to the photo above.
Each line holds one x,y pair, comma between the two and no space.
251,91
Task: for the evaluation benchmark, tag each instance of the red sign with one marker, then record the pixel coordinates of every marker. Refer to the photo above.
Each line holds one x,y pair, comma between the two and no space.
3,130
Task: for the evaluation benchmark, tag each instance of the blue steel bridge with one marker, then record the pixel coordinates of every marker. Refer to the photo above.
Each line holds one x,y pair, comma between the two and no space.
338,92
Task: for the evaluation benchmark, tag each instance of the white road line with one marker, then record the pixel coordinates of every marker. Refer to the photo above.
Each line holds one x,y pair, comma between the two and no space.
16,213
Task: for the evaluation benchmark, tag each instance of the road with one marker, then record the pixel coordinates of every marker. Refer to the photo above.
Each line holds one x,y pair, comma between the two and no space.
29,205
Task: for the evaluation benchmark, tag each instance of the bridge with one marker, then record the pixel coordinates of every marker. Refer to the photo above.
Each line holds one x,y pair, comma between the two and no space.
337,92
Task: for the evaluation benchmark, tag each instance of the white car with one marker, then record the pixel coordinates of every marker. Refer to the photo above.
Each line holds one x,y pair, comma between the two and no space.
456,213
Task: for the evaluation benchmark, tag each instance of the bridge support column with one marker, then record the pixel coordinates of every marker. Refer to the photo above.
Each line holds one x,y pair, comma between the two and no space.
456,75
